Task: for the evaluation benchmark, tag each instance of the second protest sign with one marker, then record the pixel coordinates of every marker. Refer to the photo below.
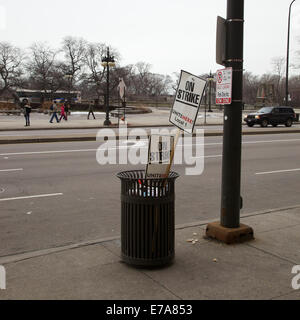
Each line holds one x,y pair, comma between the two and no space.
187,101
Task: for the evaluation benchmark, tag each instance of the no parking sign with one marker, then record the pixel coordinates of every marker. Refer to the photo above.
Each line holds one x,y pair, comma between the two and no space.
224,86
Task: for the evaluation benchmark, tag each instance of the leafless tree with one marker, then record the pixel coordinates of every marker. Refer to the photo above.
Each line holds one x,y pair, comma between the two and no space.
74,50
11,59
250,87
279,69
95,71
42,66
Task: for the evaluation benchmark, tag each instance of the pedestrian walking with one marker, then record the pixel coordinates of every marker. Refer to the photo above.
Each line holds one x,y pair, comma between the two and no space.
91,110
66,110
27,110
54,110
62,112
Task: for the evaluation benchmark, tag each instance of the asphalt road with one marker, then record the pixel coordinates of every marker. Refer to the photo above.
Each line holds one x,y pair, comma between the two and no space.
79,200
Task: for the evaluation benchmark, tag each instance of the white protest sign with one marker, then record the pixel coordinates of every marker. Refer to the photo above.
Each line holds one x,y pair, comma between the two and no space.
224,86
187,101
159,153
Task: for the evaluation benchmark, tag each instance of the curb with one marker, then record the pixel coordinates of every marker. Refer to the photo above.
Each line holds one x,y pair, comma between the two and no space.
92,137
113,126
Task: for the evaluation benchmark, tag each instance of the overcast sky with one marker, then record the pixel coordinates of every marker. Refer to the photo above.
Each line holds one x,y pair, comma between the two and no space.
169,34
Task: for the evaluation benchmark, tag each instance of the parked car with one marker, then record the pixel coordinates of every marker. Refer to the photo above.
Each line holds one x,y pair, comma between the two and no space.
273,116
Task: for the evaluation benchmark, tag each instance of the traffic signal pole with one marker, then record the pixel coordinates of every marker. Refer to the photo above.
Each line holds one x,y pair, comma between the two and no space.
229,229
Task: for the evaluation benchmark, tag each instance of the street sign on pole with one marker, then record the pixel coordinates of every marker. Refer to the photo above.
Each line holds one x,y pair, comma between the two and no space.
221,41
224,86
187,101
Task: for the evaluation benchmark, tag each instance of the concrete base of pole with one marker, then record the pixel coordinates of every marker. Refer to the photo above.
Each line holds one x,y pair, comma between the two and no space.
107,123
244,233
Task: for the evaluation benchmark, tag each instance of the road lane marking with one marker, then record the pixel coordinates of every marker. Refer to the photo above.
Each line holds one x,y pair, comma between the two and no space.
278,171
213,156
254,142
31,197
127,147
46,152
10,170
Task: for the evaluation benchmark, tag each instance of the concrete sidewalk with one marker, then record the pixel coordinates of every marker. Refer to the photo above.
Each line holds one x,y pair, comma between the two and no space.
159,118
77,120
260,269
40,121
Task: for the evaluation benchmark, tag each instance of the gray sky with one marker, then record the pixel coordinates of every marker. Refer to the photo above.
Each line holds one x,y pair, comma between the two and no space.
169,34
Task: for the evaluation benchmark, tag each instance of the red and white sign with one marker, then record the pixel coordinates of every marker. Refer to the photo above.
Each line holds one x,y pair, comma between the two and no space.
224,86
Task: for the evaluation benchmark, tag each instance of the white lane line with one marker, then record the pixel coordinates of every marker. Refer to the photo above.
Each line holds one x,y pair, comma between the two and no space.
10,170
270,141
126,147
216,156
31,197
254,142
213,156
45,152
278,171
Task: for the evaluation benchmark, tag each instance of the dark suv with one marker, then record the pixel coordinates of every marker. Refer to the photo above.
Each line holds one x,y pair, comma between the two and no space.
273,116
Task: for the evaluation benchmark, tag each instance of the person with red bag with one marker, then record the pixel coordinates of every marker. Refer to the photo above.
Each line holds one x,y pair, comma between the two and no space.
62,112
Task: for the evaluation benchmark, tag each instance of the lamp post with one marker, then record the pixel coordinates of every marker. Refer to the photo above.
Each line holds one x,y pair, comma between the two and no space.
69,76
287,58
107,61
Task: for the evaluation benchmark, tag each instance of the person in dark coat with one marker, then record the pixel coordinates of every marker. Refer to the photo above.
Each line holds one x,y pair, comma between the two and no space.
66,104
27,110
91,110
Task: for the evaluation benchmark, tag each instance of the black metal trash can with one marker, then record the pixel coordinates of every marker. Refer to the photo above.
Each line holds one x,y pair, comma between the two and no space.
147,218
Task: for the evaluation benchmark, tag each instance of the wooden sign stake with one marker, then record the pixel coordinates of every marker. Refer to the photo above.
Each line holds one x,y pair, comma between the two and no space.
178,134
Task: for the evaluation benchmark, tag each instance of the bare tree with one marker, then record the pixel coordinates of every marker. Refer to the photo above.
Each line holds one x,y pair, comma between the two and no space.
279,69
41,66
250,87
141,78
95,71
74,50
11,59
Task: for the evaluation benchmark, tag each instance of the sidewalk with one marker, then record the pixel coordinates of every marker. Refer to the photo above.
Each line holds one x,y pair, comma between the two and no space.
79,120
159,118
260,269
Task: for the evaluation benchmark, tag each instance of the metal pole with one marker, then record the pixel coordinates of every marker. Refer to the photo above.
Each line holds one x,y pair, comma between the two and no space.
231,163
209,100
107,121
287,58
124,104
118,110
205,105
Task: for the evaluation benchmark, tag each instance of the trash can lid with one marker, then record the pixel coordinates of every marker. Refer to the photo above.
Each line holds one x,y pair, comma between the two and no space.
141,174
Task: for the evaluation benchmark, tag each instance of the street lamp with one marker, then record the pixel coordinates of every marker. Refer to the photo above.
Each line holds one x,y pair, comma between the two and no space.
287,58
107,61
69,76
